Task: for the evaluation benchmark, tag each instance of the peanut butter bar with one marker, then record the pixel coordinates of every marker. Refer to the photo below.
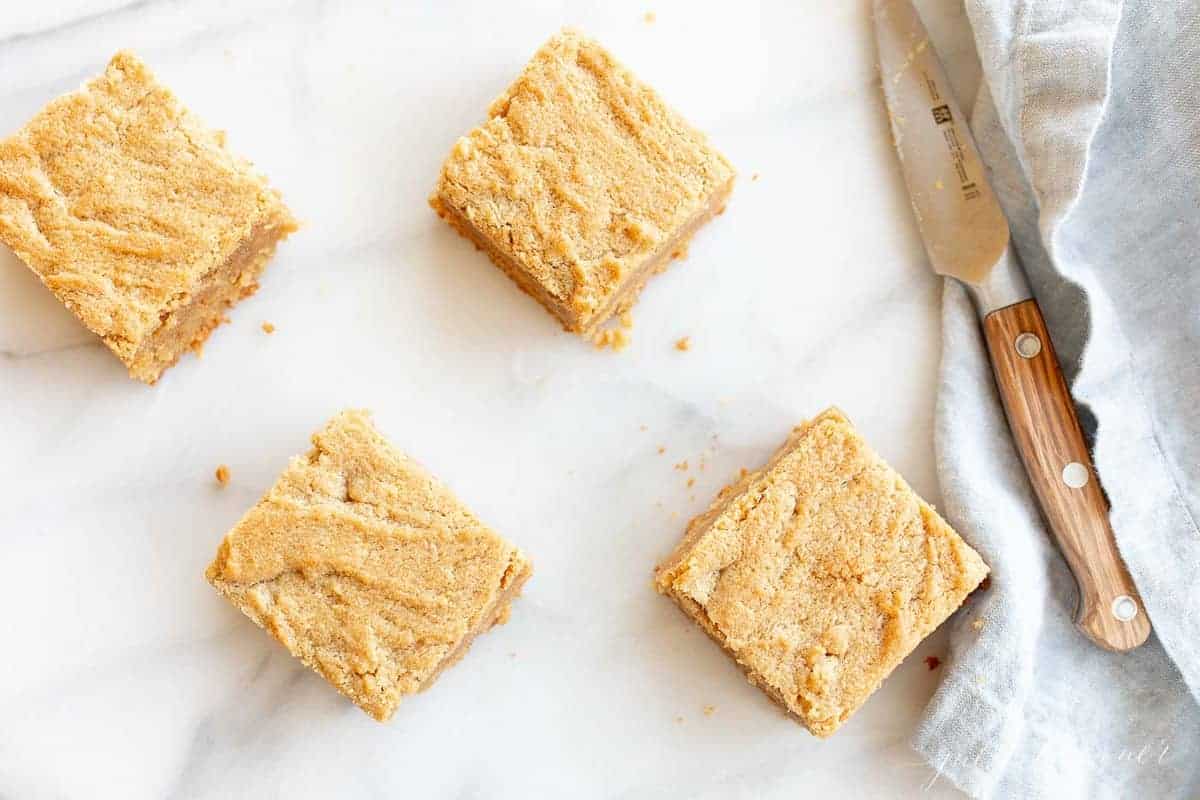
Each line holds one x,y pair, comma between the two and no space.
136,216
366,568
819,573
582,183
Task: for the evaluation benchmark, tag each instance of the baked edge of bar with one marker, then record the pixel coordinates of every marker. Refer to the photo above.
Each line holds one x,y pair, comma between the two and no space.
696,613
696,528
494,614
506,264
627,291
699,525
239,270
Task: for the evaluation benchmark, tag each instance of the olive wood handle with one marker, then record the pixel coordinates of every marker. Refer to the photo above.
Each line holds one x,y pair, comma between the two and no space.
1042,417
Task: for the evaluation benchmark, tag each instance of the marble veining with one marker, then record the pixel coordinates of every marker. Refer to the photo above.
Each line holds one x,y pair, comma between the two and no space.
124,675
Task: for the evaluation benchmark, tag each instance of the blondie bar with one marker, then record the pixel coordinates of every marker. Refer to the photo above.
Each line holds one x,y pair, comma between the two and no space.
819,573
582,183
366,568
135,215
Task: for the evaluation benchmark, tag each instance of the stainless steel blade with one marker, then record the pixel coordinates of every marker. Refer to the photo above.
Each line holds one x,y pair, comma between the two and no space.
965,232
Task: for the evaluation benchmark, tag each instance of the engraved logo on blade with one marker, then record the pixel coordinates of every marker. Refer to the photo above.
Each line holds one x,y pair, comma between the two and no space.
970,191
943,117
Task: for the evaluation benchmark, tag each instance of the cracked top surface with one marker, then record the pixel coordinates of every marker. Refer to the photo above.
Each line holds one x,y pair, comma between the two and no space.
580,173
120,200
364,566
821,572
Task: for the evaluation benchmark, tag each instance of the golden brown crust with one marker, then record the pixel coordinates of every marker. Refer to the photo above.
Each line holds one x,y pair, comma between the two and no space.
580,177
820,572
122,202
366,568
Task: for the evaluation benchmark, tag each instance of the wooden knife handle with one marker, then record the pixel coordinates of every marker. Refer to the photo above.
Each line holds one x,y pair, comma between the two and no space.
1042,417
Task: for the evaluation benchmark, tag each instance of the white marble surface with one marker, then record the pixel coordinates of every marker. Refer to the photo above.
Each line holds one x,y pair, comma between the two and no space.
121,672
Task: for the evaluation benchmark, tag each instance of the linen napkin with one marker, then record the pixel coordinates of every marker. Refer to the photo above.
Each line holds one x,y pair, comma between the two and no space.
1089,116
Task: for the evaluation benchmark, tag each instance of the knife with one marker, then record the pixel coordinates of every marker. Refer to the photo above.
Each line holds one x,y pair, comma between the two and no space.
967,238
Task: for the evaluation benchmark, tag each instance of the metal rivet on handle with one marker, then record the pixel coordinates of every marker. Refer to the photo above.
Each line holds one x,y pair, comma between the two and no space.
1075,475
1124,608
1028,345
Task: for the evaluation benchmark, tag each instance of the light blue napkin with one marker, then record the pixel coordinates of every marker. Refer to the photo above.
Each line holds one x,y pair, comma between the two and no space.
1089,116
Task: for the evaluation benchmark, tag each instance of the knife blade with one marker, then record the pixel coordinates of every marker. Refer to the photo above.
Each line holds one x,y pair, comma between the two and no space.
966,237
964,230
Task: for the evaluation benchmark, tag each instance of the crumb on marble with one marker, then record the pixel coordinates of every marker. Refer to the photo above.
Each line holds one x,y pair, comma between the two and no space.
643,428
710,710
691,482
683,344
682,465
268,328
977,624
661,449
679,720
933,662
615,339
222,475
754,178
649,17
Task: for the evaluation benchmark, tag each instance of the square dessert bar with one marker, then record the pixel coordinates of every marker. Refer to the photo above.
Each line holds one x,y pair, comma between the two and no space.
136,216
582,183
819,573
366,568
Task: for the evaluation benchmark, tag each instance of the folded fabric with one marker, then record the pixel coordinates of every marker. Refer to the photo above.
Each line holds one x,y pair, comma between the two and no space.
1089,116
